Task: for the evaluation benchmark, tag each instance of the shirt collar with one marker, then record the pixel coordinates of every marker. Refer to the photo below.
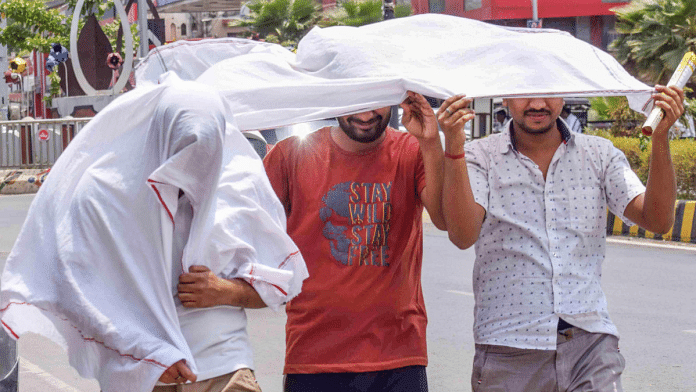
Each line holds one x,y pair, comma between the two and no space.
508,143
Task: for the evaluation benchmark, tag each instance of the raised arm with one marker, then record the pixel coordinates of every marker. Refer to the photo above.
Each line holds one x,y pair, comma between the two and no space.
463,216
654,209
419,119
200,288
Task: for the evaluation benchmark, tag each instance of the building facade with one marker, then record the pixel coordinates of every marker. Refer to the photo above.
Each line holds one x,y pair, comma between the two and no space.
589,20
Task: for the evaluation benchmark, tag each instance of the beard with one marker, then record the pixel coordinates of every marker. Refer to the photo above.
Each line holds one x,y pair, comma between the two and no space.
536,131
379,125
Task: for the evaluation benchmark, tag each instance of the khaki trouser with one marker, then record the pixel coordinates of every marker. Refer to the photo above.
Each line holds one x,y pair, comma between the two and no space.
242,380
582,361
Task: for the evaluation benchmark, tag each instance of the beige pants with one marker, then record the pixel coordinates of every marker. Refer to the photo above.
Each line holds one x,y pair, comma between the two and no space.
242,380
582,361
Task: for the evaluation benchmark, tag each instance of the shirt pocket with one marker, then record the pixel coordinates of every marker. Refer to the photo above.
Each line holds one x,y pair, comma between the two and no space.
583,210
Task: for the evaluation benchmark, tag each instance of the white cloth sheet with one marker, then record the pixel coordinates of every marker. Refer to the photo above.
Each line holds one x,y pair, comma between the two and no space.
339,70
90,267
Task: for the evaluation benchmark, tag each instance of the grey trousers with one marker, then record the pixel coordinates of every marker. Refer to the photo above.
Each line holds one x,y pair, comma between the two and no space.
582,361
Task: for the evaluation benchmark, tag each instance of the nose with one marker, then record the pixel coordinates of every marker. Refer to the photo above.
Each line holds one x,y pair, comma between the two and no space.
365,116
537,103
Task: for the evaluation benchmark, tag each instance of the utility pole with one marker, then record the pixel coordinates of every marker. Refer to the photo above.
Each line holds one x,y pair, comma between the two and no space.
535,22
143,30
535,11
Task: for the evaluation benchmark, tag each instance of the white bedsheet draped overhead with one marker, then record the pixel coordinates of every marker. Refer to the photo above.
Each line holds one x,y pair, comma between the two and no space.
91,267
338,70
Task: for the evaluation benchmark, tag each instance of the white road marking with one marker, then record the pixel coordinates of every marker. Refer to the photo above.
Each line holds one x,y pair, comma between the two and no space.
651,243
55,383
690,331
460,292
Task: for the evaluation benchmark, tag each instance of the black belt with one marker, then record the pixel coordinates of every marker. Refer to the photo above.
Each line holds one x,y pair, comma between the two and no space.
563,325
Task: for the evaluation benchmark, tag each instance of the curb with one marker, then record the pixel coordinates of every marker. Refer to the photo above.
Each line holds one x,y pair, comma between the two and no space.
26,181
683,229
22,181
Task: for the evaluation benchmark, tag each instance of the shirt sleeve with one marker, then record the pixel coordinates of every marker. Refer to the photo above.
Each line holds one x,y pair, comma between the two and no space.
477,168
621,184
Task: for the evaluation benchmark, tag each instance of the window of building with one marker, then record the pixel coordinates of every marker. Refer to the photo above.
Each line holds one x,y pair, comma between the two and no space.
436,6
172,31
472,5
183,29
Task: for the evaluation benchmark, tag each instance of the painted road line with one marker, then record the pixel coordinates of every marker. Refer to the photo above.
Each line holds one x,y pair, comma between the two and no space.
55,383
460,292
693,331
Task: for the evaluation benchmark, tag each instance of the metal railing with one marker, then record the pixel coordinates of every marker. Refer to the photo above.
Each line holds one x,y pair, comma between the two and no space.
36,143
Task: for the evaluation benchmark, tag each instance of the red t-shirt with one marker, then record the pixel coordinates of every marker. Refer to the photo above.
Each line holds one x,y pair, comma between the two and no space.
357,219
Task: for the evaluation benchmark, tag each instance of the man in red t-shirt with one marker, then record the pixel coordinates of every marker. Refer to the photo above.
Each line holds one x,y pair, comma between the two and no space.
354,197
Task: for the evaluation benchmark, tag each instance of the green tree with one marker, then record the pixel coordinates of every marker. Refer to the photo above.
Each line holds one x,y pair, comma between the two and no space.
626,122
30,26
33,27
287,20
361,12
654,35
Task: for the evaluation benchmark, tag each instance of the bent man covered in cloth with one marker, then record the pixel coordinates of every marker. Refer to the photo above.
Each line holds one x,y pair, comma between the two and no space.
136,200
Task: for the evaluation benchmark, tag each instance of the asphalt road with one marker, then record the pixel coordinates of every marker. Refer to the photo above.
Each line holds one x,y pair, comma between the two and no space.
650,291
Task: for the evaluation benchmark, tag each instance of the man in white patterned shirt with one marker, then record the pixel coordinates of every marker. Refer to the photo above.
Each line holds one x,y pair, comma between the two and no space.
533,199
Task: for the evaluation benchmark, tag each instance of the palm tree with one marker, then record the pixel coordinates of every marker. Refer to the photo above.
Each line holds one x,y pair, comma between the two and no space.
287,20
361,12
654,35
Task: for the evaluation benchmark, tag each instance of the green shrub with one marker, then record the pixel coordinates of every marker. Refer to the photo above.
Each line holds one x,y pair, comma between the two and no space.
683,158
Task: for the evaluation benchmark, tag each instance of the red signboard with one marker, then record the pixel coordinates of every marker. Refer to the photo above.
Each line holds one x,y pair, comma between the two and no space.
43,134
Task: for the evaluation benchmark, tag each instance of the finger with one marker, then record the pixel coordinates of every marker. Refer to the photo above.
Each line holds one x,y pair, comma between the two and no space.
448,102
169,375
670,96
460,104
416,105
420,100
185,372
671,114
198,268
459,114
464,119
186,289
188,297
673,95
190,301
187,278
677,95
